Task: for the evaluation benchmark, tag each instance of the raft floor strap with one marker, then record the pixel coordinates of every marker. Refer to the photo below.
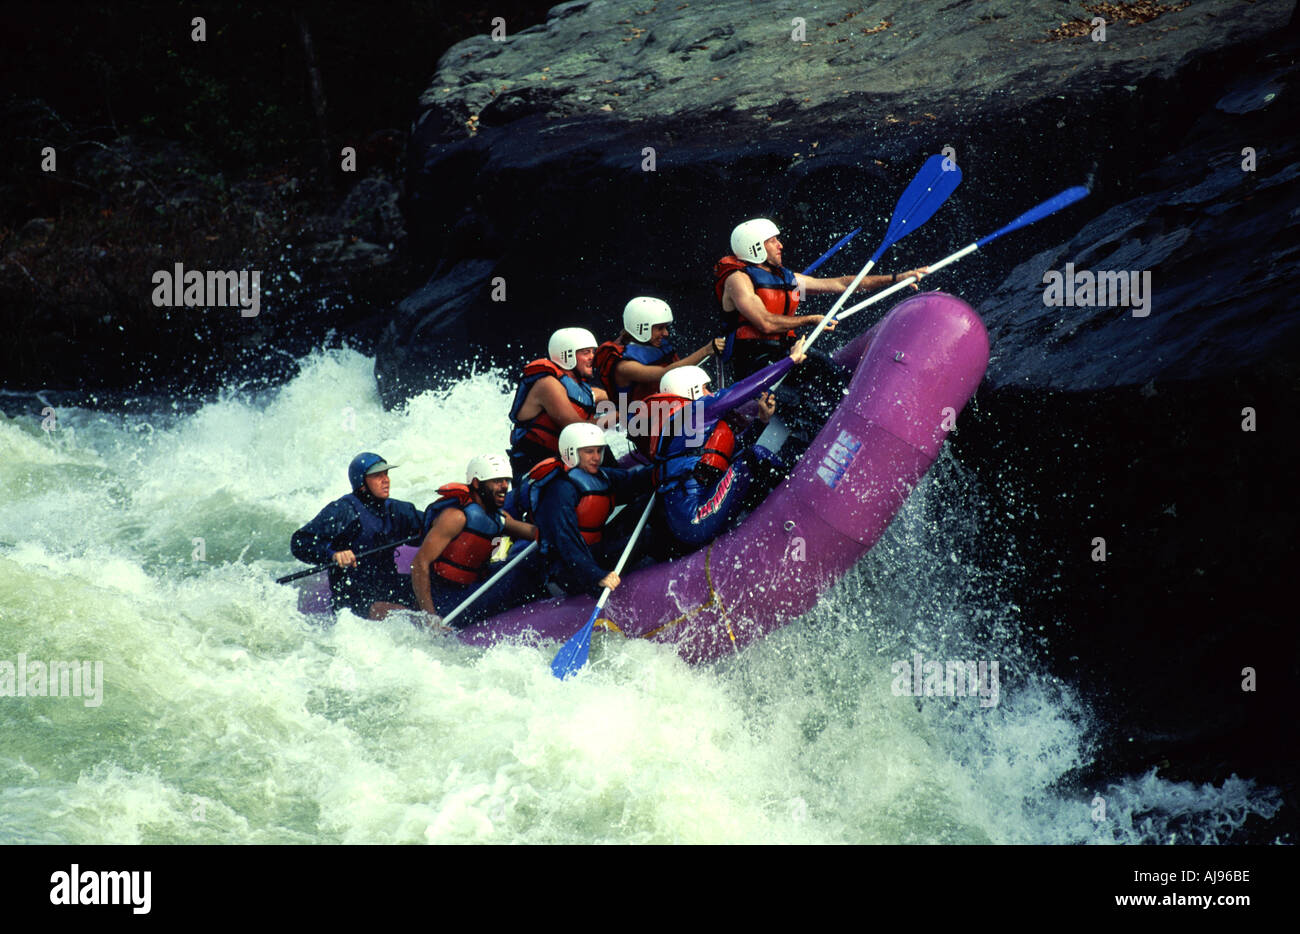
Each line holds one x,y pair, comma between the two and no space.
713,601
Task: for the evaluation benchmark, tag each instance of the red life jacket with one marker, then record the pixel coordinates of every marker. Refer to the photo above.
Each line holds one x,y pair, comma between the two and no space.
608,356
466,555
611,353
594,505
777,290
542,429
719,447
667,448
647,432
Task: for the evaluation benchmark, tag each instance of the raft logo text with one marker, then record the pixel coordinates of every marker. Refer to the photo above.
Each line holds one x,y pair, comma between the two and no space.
177,288
951,678
102,888
57,679
838,459
709,508
1101,289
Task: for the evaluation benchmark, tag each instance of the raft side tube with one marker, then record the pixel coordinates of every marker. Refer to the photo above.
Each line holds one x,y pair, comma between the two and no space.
926,356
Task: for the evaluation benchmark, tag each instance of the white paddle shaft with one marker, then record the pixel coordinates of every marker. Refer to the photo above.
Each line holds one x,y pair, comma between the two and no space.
904,283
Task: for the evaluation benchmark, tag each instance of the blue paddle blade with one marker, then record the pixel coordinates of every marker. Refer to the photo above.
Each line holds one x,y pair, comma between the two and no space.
832,251
938,179
729,347
573,654
1050,206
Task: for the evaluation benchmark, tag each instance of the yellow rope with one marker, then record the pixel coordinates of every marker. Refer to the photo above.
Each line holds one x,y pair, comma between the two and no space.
714,600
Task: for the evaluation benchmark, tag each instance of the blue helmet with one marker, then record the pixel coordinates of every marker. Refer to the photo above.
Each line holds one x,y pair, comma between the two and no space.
363,465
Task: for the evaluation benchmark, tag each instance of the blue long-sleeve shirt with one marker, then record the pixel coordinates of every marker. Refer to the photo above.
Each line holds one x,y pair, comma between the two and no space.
557,517
339,527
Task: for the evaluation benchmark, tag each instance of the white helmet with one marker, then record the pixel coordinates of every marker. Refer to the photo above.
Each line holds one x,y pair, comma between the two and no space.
488,467
576,436
685,381
748,238
641,314
564,346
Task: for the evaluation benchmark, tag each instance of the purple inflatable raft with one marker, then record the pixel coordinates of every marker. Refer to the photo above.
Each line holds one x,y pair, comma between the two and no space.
914,371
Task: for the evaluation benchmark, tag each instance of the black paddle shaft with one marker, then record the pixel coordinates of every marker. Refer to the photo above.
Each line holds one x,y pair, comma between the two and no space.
360,554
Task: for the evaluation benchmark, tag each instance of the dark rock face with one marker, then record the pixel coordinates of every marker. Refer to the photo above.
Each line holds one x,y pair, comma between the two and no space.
77,289
1219,244
531,155
370,212
1168,432
433,324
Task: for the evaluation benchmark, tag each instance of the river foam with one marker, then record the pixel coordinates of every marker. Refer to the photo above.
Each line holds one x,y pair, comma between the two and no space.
149,541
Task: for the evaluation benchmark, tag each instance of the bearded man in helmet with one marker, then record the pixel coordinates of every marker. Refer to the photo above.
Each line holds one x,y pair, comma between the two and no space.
572,497
363,519
553,393
760,304
461,528
630,367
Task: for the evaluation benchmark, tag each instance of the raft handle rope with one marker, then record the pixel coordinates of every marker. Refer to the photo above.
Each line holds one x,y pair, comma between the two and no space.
713,601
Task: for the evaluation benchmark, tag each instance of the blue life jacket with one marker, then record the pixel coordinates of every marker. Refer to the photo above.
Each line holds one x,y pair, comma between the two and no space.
610,354
595,503
375,530
674,454
777,290
466,556
542,429
374,577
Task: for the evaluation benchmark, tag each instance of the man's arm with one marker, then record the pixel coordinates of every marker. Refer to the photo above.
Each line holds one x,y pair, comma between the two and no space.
711,408
740,290
551,398
629,371
516,529
335,526
628,484
838,284
449,524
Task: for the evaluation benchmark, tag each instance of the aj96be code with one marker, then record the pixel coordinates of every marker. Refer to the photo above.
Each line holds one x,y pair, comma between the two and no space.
1225,875
1211,876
